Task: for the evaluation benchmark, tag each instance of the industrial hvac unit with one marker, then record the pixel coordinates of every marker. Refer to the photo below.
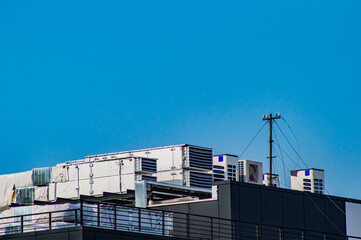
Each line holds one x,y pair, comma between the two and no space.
94,177
184,165
275,180
308,180
225,167
250,171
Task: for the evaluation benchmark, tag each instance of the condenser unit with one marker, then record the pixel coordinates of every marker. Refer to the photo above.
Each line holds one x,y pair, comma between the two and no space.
250,171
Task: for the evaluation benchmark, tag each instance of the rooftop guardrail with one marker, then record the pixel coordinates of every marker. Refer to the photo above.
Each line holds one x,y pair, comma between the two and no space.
155,222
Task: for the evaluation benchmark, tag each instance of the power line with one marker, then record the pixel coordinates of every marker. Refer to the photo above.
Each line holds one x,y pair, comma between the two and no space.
322,211
307,167
293,133
291,145
281,155
274,165
288,155
294,162
318,208
252,140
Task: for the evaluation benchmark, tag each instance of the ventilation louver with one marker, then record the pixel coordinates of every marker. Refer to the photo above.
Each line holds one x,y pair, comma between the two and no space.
149,165
149,178
198,179
200,158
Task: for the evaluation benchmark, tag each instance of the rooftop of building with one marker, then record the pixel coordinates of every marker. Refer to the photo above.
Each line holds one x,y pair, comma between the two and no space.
226,154
149,149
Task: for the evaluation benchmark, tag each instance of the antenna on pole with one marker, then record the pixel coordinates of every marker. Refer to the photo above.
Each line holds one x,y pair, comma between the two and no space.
270,119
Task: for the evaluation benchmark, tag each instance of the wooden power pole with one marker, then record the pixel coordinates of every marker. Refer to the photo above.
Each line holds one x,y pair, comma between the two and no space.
270,119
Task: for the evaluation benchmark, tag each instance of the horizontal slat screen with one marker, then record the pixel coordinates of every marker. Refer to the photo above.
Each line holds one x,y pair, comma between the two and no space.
200,158
198,179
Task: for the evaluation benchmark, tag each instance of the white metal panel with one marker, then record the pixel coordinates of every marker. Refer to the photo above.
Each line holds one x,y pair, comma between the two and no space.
113,168
67,189
72,173
42,193
105,176
168,158
127,166
105,169
52,192
174,177
84,170
100,185
58,173
85,188
113,184
127,182
353,219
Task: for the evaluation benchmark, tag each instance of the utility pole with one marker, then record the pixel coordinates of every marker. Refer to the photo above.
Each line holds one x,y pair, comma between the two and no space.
270,119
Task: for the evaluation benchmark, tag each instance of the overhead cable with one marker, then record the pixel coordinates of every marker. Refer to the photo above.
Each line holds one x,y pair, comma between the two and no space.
252,139
293,133
307,166
318,208
281,155
291,144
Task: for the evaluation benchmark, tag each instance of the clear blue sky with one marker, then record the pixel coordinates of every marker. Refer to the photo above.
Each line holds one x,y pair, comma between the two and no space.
86,77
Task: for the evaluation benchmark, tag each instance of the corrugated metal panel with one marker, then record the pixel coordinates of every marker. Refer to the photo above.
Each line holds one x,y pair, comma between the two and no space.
41,176
25,195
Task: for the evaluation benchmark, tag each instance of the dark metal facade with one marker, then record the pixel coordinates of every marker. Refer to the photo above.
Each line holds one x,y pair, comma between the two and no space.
273,213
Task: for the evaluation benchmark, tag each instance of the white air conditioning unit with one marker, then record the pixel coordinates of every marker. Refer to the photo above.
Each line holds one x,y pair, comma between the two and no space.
250,171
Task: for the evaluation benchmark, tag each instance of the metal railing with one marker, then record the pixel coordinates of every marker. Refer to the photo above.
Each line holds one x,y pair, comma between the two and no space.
155,222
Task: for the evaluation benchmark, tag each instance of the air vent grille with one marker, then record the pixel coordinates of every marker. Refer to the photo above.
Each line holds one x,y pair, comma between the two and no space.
149,165
198,179
149,178
241,171
200,158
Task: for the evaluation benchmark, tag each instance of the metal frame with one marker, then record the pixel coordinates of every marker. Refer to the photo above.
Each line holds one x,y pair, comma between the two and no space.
163,223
